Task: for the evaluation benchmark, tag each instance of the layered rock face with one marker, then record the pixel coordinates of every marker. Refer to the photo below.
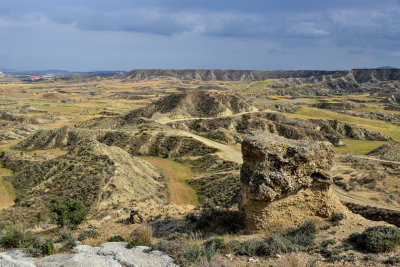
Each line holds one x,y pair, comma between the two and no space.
285,181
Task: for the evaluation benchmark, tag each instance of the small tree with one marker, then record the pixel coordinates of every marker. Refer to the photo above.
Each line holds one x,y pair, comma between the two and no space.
69,213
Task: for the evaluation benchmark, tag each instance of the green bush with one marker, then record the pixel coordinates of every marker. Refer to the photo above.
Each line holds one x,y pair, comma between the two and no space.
174,248
231,247
250,247
392,260
116,238
337,217
377,239
64,234
192,254
69,244
88,234
302,236
69,213
215,241
47,247
328,242
211,246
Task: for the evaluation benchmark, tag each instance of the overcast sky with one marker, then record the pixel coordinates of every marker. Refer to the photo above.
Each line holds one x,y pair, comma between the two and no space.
88,35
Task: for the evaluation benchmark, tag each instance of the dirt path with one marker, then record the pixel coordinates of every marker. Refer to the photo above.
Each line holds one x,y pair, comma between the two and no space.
346,197
7,194
179,192
166,121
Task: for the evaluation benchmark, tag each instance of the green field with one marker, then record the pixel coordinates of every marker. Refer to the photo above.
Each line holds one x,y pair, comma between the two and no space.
358,146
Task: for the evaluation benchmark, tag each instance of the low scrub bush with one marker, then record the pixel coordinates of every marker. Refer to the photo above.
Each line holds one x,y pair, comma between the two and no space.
116,238
63,234
142,236
392,260
302,236
192,255
174,248
88,234
337,217
219,221
377,239
69,244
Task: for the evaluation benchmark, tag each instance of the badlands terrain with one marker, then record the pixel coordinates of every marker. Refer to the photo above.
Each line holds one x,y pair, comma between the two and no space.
211,167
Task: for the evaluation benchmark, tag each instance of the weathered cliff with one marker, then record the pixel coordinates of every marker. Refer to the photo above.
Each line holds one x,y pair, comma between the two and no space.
285,181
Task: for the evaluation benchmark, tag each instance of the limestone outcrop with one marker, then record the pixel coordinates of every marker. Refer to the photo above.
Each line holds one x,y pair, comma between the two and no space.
285,181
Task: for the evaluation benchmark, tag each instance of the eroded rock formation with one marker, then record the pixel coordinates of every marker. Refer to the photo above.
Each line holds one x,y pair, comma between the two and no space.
285,181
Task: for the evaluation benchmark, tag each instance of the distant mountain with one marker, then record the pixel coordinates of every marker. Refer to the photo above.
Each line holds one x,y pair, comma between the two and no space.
386,68
56,72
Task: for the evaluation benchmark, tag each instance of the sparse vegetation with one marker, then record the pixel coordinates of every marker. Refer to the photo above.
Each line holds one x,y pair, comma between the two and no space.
32,243
88,234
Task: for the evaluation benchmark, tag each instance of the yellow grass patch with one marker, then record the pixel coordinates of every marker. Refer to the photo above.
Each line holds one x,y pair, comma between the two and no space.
7,193
177,174
358,146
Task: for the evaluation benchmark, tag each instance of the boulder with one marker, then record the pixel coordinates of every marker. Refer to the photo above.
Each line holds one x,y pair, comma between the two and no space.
285,181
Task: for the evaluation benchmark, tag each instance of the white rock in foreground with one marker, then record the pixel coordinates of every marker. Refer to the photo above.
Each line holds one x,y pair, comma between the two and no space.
112,254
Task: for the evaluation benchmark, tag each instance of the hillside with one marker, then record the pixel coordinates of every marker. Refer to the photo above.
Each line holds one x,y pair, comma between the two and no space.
189,104
95,173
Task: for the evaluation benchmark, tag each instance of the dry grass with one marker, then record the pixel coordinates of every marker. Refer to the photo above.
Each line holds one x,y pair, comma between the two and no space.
144,234
7,193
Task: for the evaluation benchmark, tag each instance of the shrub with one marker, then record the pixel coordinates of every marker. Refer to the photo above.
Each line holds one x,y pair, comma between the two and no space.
220,221
215,241
337,217
70,244
377,239
392,260
88,234
211,246
69,213
232,246
191,218
63,234
328,242
116,238
3,225
142,236
47,247
172,247
192,255
249,247
303,236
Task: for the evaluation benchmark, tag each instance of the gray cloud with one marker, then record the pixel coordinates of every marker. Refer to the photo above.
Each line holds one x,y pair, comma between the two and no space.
360,28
